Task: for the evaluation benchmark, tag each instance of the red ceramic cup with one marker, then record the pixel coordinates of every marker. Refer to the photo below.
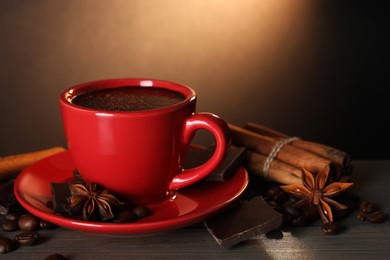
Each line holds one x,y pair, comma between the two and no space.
139,154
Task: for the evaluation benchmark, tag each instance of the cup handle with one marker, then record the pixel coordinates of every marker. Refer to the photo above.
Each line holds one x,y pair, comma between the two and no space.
221,132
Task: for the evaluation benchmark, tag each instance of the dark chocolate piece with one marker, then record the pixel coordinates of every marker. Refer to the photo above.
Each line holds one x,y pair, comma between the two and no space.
7,197
77,179
60,193
225,170
197,156
242,222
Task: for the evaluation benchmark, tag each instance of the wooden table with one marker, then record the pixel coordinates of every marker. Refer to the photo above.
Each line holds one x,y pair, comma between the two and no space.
360,240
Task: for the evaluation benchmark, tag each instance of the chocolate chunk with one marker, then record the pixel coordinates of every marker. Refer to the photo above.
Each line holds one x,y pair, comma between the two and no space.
242,222
7,197
60,193
77,178
225,170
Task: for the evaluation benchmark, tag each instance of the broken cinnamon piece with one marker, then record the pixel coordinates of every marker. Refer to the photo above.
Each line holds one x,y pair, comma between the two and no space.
242,222
10,166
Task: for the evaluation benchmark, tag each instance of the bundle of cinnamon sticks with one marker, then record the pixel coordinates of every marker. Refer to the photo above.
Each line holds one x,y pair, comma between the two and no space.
280,158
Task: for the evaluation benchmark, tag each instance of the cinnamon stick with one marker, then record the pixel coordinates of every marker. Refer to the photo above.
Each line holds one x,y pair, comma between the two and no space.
278,171
290,154
276,164
327,152
10,166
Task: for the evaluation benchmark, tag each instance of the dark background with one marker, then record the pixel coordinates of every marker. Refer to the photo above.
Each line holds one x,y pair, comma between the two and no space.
314,69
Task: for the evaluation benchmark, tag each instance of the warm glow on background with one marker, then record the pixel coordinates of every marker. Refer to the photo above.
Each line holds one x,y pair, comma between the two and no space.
290,65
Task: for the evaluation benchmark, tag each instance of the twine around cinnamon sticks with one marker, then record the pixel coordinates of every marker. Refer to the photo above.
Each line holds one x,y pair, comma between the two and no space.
280,158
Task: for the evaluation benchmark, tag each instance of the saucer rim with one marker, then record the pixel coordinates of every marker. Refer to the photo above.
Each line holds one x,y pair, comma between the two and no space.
125,228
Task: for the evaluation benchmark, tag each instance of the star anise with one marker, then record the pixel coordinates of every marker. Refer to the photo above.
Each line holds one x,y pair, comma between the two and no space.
316,192
93,198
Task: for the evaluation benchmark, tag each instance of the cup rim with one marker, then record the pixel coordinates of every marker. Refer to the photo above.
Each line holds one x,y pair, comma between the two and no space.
68,94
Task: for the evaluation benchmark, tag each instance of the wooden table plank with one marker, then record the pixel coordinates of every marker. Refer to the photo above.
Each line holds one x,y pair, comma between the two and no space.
360,240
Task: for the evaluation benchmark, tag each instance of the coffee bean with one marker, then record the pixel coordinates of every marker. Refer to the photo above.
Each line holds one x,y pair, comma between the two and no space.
287,219
27,238
125,216
299,221
273,204
362,216
331,228
271,192
142,211
377,217
311,213
290,210
43,224
55,257
6,245
49,204
280,197
293,199
10,225
368,207
28,222
11,216
274,234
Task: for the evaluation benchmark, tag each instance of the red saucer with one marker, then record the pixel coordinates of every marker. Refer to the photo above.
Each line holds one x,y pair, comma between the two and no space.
185,207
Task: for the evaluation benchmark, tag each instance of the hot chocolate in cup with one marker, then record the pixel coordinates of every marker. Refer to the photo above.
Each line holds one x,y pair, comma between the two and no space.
132,135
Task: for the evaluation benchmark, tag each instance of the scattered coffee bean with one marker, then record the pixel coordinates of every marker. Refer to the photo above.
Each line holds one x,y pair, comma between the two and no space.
275,234
290,210
27,238
271,192
299,221
10,225
286,221
142,211
55,257
49,204
370,211
280,197
296,214
293,199
11,216
274,205
377,217
6,245
28,222
311,213
126,216
368,207
331,228
362,216
43,224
